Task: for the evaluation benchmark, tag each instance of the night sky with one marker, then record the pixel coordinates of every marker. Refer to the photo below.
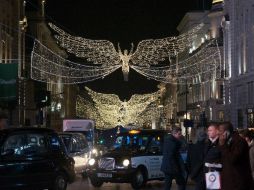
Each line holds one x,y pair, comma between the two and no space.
122,21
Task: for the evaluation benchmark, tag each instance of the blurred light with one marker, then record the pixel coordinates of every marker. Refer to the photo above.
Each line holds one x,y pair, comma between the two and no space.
91,162
126,162
94,151
134,132
58,106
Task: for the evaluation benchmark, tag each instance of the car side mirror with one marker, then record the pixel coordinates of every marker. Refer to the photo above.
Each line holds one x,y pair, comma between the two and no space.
8,152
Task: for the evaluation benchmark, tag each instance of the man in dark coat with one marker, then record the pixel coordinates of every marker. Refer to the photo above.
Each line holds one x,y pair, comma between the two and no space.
236,172
204,151
195,160
249,137
172,163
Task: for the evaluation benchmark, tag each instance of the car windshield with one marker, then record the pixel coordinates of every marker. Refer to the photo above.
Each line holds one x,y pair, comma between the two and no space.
74,143
66,139
134,142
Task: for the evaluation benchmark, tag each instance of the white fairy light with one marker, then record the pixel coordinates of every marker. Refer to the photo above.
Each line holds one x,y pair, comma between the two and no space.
148,52
109,110
47,66
203,64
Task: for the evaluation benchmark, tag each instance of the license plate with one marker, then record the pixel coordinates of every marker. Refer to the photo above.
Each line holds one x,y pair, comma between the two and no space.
106,175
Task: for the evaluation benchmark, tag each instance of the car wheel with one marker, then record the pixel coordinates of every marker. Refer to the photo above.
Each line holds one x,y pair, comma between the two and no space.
96,182
60,182
139,179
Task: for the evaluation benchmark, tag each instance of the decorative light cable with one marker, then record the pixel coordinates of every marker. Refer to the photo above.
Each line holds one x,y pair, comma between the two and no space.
202,66
148,52
47,66
110,111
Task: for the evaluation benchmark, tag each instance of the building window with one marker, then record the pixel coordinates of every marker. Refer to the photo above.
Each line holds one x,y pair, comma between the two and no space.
240,118
250,92
221,115
250,118
221,95
211,113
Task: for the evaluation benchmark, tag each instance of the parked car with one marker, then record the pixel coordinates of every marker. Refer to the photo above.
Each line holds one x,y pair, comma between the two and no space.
77,148
136,158
34,158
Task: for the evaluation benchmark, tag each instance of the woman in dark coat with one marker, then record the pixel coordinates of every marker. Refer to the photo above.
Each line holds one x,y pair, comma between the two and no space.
236,173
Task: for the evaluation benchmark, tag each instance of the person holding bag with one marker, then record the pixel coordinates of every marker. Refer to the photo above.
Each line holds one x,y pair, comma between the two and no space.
212,158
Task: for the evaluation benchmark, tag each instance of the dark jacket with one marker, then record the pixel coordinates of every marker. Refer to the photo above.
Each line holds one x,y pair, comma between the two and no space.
212,152
195,160
252,158
236,173
172,162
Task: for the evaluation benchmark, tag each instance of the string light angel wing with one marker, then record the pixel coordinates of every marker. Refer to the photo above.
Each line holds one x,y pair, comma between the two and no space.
148,52
96,51
152,51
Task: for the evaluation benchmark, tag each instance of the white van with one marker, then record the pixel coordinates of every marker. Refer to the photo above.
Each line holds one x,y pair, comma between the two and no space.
84,126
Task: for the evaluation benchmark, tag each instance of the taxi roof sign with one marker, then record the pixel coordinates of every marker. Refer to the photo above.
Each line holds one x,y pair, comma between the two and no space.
134,132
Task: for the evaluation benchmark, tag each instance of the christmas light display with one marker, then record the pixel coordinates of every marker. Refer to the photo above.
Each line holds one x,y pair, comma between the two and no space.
47,66
203,64
110,111
148,52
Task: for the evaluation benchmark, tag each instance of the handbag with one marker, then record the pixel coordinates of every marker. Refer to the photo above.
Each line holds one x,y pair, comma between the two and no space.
213,180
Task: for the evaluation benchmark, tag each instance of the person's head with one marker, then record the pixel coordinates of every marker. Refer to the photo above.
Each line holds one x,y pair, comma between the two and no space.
176,132
247,135
3,121
213,130
226,127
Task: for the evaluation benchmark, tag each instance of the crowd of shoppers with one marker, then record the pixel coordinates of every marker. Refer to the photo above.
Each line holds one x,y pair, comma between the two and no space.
219,149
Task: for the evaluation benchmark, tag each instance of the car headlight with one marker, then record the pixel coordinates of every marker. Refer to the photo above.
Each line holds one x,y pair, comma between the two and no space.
94,151
91,162
126,162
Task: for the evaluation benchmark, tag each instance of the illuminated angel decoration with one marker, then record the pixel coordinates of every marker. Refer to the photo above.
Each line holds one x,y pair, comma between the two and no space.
111,111
148,52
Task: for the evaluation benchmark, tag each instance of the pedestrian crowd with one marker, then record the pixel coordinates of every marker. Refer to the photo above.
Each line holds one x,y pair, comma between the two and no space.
221,158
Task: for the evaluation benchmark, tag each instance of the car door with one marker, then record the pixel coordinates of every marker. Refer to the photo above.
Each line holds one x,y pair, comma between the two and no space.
40,169
12,162
154,152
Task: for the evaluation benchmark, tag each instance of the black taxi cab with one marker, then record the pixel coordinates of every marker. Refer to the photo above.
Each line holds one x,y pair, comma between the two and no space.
135,158
34,159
